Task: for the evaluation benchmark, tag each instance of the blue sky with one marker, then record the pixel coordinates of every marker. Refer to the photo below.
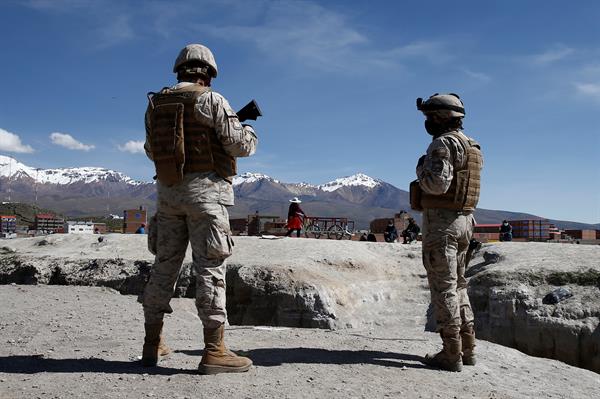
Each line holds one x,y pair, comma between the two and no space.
336,80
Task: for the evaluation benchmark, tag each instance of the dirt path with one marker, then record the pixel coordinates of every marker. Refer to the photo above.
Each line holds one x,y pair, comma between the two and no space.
82,342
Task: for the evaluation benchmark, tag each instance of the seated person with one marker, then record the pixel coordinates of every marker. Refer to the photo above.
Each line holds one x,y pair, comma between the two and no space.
390,234
411,232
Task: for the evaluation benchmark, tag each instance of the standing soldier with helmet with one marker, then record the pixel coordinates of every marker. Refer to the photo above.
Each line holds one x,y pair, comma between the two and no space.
194,137
447,192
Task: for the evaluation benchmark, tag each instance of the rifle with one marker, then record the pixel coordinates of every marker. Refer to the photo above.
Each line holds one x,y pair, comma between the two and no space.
250,111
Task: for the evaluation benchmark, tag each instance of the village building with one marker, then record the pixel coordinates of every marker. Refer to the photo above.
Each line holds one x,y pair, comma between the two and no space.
49,223
78,227
133,219
8,226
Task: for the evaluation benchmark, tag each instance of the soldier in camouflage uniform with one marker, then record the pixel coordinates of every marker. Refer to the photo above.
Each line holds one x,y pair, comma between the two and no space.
193,136
447,191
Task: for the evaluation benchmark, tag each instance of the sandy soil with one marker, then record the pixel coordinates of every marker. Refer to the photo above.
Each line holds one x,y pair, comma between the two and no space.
83,342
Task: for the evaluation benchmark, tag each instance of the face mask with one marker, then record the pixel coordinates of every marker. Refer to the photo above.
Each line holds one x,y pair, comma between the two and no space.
433,128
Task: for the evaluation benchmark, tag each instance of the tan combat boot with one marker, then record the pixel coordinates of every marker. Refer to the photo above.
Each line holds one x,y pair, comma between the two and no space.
154,345
217,358
449,358
467,337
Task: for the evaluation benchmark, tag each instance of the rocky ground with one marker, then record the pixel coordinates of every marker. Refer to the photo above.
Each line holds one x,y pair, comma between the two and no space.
508,283
83,342
370,301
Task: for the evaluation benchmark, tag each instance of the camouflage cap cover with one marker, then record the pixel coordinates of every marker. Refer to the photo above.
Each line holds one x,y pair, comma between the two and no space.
442,105
197,52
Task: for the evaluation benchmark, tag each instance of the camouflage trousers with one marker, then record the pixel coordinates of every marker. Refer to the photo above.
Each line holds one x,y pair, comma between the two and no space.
446,237
206,227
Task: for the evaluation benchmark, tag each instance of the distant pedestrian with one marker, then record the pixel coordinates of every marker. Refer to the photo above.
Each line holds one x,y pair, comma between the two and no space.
411,232
295,217
141,229
505,231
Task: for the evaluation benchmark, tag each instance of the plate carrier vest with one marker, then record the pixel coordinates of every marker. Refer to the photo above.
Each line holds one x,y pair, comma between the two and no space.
180,144
463,193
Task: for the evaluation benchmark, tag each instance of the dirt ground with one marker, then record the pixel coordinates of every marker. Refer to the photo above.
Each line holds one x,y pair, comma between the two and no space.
84,342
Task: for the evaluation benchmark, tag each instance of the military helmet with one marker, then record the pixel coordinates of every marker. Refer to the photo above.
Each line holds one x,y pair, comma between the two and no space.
442,105
200,55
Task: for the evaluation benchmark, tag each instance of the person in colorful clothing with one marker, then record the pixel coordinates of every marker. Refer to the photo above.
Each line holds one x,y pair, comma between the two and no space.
295,217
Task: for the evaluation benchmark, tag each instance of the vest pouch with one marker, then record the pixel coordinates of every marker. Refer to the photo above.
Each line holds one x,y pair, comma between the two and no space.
460,195
167,143
415,196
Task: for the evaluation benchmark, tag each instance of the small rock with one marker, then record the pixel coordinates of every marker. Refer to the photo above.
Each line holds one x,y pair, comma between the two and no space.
491,257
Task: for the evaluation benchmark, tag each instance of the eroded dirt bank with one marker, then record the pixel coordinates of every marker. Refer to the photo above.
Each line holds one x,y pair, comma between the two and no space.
288,282
507,298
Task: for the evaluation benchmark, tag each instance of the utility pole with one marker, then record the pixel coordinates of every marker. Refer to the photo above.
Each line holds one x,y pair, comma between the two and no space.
35,184
9,175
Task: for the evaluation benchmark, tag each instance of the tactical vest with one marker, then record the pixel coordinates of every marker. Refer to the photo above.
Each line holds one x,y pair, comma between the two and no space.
180,144
463,194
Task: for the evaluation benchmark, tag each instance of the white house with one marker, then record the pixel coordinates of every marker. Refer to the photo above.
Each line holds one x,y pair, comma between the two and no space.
74,227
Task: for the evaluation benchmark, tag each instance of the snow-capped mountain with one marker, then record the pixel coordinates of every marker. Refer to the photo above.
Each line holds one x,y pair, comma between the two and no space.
357,180
359,197
248,177
73,191
99,191
10,167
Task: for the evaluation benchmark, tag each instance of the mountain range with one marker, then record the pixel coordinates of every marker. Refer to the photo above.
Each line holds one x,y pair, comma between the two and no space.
92,191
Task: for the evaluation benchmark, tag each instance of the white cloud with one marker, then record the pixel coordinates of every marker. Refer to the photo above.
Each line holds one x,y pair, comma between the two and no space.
482,77
132,146
67,141
111,19
589,89
314,37
10,142
550,56
118,30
